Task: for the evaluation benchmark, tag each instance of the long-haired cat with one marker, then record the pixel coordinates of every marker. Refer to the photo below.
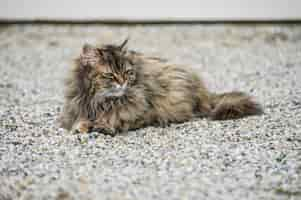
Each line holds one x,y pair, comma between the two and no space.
112,89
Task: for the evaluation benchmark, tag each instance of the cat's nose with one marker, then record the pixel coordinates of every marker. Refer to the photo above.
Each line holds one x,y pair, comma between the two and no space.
120,81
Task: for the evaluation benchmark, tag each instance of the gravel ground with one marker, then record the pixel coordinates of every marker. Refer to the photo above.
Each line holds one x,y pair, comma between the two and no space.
256,158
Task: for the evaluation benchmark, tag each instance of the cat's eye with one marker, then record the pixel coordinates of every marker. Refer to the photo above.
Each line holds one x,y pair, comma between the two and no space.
130,72
108,75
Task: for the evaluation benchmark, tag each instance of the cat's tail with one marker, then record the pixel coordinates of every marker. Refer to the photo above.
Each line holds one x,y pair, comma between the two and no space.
233,105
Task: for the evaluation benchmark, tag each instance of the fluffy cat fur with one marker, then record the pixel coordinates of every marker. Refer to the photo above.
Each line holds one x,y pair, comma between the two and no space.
111,89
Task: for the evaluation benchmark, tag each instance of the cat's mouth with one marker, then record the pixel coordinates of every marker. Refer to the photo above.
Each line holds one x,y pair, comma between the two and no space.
119,90
115,92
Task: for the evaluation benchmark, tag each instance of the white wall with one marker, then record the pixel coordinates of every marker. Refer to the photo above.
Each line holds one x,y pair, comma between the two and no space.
150,10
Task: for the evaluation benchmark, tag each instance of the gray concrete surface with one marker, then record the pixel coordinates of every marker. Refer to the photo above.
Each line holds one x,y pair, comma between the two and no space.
253,158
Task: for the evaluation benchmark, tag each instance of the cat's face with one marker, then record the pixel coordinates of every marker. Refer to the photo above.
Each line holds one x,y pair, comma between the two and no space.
110,73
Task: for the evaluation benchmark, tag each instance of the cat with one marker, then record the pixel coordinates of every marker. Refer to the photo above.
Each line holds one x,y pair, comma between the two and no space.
111,90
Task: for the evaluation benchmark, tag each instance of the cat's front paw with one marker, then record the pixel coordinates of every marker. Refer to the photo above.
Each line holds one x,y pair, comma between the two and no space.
105,131
82,127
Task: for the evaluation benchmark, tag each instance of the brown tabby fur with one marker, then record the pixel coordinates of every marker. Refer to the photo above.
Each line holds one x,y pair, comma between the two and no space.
111,90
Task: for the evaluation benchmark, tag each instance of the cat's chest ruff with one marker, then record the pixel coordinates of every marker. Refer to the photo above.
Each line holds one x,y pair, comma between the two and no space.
128,107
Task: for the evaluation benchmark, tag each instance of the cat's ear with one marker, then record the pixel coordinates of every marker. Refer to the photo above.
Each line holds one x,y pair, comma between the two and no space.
123,44
89,55
87,48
